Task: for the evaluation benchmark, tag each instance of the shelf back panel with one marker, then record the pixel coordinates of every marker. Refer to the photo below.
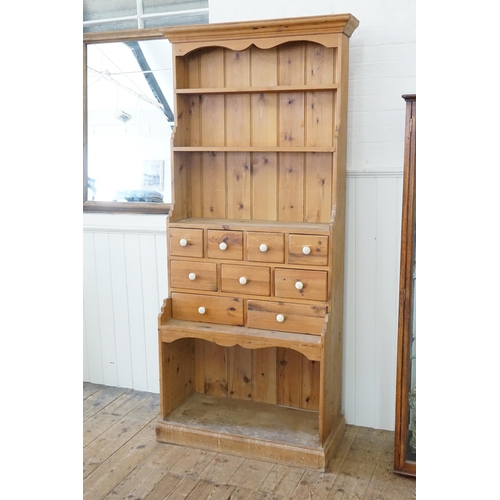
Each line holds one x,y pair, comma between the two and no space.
288,187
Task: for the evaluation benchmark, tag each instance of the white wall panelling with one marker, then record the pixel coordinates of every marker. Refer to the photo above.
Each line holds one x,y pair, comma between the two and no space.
124,285
373,225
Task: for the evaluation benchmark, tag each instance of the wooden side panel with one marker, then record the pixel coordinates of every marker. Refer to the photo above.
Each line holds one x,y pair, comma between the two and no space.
182,136
214,185
318,187
289,378
188,107
291,187
215,369
239,373
181,72
331,383
264,116
264,190
264,375
177,360
238,179
181,187
193,110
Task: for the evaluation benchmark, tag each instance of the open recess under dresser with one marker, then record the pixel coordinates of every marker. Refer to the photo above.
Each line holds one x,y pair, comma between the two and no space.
250,338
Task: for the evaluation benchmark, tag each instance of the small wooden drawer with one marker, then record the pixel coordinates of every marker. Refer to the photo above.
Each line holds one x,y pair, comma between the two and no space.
300,284
245,280
186,242
225,245
266,247
283,317
193,275
208,309
308,249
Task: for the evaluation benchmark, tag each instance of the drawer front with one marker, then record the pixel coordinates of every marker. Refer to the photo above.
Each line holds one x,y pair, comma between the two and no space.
186,242
308,249
193,275
301,284
208,309
225,245
298,318
266,247
245,280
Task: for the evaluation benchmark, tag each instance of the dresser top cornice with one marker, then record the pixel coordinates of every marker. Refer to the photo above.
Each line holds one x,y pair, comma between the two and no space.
337,23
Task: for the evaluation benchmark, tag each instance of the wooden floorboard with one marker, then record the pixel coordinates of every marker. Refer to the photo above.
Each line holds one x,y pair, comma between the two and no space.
123,460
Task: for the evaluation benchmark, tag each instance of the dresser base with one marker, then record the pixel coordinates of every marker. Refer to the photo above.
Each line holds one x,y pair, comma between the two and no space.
249,429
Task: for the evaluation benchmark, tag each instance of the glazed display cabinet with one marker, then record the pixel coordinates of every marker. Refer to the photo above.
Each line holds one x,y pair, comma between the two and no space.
250,336
405,451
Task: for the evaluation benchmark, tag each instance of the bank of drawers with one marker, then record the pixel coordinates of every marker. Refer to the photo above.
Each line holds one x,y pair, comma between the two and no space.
234,263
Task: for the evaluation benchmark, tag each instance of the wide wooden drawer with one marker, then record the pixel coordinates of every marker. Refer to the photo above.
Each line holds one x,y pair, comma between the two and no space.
225,245
193,275
266,247
207,308
245,280
300,318
308,249
185,242
301,284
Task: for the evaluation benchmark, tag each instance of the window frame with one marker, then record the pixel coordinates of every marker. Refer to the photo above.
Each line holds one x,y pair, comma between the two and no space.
114,206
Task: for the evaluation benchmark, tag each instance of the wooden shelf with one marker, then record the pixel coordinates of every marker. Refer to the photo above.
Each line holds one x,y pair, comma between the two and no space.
257,149
259,90
253,225
265,431
311,346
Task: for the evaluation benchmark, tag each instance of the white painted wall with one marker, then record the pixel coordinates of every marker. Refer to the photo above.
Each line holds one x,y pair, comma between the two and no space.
124,255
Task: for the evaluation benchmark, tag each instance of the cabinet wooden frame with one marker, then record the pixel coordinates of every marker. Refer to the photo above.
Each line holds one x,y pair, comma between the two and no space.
259,148
402,464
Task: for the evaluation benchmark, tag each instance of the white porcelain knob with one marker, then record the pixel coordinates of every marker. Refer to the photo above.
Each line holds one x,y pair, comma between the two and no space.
183,242
306,250
192,276
243,280
201,310
280,318
263,247
299,285
223,246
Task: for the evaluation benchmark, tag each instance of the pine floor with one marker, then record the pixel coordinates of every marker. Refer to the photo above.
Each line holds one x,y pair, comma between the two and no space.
123,460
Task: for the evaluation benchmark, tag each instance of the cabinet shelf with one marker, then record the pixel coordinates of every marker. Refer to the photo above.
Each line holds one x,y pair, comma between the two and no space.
258,90
257,149
265,431
253,225
311,346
